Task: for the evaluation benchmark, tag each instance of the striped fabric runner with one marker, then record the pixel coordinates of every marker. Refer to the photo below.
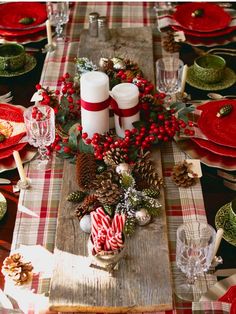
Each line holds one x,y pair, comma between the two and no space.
182,205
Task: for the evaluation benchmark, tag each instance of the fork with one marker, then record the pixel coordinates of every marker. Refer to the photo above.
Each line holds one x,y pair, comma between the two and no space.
6,97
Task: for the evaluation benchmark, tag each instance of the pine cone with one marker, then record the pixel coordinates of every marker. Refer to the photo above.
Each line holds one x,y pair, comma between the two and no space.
19,271
180,174
108,193
145,173
109,174
86,206
85,170
76,196
168,42
114,157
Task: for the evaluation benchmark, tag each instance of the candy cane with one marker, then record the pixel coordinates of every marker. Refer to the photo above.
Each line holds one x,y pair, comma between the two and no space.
106,222
100,212
118,237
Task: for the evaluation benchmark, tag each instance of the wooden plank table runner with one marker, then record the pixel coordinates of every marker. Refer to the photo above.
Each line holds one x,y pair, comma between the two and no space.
142,282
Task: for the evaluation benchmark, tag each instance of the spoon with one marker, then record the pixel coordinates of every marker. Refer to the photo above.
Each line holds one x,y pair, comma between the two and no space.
216,96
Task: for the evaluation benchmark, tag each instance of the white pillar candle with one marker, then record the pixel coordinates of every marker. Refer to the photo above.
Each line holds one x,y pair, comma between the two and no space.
19,166
94,89
183,81
127,96
49,32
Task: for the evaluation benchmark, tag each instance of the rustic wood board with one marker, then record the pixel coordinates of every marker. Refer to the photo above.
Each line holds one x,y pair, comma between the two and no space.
143,280
133,43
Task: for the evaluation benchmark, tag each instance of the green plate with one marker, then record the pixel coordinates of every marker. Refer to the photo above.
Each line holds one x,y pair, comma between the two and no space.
228,80
3,206
30,64
227,221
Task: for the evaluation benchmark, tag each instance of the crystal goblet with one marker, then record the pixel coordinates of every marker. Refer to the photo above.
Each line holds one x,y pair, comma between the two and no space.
40,130
58,15
194,253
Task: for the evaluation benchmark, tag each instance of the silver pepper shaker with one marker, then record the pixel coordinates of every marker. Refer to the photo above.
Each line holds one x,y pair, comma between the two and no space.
103,30
93,24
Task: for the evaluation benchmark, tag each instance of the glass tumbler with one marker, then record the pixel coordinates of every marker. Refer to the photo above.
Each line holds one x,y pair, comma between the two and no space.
169,75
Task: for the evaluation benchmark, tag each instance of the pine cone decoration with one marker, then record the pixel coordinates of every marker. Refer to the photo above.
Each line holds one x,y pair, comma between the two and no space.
168,42
85,170
19,271
180,175
145,174
108,193
114,157
109,174
87,206
76,196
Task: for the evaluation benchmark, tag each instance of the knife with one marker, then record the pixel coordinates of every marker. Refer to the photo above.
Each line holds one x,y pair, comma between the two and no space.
4,181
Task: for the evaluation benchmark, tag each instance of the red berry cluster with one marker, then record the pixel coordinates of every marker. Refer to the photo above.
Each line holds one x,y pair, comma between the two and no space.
38,115
187,127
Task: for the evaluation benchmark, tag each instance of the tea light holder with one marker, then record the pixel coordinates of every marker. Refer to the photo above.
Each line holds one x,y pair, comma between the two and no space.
24,182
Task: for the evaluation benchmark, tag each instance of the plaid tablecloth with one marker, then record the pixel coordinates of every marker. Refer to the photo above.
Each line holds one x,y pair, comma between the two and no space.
37,211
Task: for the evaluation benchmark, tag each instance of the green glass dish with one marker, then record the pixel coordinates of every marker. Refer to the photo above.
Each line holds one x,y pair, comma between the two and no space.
226,219
3,206
30,64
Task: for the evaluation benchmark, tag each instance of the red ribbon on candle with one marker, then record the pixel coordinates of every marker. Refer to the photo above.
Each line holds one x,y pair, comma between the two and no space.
123,112
95,106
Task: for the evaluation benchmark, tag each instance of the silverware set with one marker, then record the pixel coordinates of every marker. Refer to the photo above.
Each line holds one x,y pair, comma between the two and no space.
6,98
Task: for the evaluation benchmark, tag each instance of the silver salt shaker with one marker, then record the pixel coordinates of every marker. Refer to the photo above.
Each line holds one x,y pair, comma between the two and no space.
103,30
93,24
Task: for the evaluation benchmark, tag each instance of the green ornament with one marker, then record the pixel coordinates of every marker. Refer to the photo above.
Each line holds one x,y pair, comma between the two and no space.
224,111
26,20
2,137
76,196
154,193
198,13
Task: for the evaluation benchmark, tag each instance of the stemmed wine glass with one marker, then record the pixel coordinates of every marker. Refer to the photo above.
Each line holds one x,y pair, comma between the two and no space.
40,130
194,250
58,15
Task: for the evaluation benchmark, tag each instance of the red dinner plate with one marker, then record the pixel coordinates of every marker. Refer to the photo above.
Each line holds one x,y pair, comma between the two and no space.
206,157
16,33
27,38
12,12
220,130
214,17
4,153
221,32
11,124
215,148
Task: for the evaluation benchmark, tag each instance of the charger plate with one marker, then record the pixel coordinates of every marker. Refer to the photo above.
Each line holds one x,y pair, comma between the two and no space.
29,66
228,80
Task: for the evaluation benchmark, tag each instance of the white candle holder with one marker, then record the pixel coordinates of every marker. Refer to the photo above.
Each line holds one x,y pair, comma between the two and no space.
24,185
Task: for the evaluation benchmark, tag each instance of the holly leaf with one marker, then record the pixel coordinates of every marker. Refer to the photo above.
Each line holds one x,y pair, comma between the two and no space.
84,148
73,142
138,124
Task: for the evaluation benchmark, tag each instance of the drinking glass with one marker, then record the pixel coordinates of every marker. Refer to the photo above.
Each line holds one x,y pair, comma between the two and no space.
58,14
169,75
194,250
40,130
